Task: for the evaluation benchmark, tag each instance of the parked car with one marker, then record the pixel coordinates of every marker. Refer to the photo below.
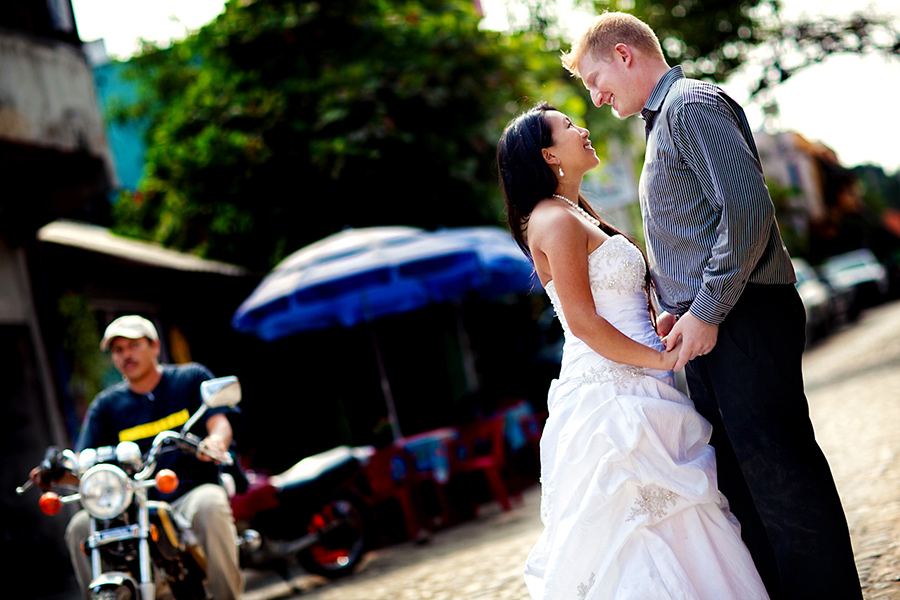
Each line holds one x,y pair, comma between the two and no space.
861,272
817,300
843,303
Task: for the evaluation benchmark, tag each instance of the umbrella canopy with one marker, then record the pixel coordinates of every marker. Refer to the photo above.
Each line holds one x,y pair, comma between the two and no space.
504,268
359,275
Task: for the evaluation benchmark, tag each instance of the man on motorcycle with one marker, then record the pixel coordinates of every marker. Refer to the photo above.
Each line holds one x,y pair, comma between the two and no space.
153,398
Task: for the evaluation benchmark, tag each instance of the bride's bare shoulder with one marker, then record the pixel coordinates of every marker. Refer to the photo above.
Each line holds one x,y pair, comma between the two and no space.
552,224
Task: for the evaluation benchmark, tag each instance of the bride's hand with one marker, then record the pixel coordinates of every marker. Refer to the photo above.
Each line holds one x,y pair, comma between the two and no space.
670,357
697,338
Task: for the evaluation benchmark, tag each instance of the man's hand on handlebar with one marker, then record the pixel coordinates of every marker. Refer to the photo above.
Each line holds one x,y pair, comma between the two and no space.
52,471
214,448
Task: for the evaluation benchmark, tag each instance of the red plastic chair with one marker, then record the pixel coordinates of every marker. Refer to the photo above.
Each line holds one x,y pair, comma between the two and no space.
523,435
390,474
430,452
481,449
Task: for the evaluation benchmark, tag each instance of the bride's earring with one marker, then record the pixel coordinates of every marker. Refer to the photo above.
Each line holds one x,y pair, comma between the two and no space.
561,174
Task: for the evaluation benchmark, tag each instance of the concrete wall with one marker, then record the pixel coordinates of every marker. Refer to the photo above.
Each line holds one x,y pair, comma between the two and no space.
47,97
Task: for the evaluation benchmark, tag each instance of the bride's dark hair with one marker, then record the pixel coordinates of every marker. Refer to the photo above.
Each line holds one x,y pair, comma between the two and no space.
526,179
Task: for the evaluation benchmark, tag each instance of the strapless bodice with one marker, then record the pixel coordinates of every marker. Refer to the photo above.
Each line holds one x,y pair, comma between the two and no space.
616,271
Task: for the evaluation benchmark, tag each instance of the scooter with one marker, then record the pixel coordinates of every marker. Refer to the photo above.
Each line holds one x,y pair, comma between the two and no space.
138,546
313,512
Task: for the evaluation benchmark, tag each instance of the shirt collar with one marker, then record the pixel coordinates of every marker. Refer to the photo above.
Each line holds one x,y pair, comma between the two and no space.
654,102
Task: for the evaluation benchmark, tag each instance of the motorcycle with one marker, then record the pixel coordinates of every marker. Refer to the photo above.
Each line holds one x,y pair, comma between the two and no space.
138,546
314,512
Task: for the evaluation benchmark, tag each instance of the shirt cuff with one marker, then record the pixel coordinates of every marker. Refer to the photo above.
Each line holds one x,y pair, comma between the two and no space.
708,309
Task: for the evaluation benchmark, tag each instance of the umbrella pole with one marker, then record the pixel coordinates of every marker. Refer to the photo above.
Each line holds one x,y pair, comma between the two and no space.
386,388
465,348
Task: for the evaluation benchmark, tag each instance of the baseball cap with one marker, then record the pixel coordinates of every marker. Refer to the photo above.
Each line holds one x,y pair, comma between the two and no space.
132,327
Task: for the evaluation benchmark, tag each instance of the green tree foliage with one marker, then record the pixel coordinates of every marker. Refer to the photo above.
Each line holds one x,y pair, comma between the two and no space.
711,39
82,343
793,46
792,220
282,122
880,191
880,195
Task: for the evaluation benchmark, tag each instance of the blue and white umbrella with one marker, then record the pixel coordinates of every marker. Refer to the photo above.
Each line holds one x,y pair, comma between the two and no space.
359,275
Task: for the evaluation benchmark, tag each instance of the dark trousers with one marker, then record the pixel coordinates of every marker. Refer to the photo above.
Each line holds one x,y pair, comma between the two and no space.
770,467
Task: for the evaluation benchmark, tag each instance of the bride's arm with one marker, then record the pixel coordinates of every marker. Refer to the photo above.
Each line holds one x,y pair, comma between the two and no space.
563,242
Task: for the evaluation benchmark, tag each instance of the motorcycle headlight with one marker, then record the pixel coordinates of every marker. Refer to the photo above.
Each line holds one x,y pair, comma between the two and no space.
105,491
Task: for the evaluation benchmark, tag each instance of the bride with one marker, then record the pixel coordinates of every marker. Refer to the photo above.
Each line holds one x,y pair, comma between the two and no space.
629,499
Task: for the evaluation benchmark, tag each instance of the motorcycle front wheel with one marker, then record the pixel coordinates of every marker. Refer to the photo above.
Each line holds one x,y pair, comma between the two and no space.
118,593
341,529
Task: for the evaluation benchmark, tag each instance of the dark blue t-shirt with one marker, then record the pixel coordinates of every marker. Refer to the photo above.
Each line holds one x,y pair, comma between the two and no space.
118,414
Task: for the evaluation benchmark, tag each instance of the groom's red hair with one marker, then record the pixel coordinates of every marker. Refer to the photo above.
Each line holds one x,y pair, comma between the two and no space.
607,30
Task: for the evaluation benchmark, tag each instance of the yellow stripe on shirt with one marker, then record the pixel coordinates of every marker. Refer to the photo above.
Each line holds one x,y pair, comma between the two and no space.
147,430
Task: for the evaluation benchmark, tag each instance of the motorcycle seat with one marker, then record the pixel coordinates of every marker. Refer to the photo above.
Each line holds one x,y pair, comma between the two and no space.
312,468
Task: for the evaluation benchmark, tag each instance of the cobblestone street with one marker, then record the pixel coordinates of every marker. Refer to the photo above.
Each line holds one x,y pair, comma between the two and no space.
853,385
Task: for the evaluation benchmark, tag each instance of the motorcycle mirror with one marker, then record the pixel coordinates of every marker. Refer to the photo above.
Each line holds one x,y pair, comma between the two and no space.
221,391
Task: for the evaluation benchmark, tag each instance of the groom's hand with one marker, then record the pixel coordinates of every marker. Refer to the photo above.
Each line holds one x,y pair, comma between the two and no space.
697,338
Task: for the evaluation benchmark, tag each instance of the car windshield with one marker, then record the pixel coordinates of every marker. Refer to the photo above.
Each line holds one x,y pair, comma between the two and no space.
851,260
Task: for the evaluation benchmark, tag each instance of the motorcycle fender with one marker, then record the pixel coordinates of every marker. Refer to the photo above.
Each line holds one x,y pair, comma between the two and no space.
176,535
114,579
169,542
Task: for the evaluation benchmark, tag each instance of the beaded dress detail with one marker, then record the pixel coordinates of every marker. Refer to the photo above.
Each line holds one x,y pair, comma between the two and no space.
629,499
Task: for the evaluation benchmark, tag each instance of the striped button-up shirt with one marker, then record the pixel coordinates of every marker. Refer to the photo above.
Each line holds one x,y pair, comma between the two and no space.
709,222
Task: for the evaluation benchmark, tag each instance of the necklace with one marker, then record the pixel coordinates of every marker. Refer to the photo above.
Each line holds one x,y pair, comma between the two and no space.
584,213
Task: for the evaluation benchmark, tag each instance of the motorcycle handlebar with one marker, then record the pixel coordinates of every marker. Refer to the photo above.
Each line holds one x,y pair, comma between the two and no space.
158,442
187,442
54,467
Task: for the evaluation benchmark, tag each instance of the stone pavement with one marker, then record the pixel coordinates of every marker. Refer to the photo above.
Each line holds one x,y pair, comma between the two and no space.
853,385
478,560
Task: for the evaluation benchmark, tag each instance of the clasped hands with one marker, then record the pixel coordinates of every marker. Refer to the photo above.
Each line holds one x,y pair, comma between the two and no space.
688,336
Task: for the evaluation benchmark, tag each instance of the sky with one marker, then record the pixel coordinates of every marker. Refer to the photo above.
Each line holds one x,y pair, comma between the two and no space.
842,103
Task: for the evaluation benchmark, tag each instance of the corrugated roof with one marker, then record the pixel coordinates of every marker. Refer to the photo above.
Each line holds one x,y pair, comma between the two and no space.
101,240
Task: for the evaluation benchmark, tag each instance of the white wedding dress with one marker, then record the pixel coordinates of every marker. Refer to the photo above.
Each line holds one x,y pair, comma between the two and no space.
629,501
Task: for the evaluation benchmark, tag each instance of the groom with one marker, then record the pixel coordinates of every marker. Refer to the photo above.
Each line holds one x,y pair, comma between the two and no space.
725,281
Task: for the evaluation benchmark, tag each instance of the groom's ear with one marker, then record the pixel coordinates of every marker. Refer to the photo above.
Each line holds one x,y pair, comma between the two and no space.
623,53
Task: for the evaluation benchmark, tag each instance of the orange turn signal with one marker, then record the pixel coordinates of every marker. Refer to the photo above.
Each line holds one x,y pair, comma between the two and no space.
50,503
154,533
166,481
